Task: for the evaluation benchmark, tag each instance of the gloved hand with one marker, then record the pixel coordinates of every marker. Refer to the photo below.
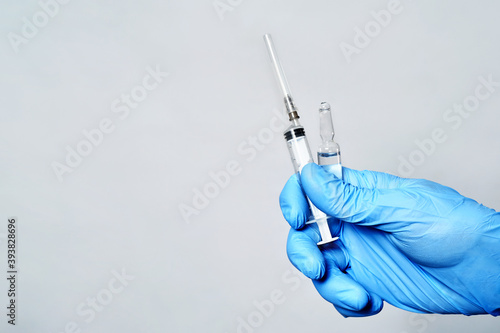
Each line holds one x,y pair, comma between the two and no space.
416,244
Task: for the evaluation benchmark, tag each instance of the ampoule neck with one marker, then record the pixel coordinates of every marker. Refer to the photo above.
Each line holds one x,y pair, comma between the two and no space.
327,132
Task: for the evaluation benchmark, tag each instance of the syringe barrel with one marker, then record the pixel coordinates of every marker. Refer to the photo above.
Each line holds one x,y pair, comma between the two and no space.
300,153
298,147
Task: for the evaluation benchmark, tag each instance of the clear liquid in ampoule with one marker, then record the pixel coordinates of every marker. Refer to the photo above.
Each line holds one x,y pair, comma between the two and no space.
328,158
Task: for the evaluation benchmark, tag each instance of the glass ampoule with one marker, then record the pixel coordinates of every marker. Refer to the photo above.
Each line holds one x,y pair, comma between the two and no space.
329,150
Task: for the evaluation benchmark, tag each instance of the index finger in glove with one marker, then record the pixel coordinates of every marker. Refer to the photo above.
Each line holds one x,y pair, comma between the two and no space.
294,204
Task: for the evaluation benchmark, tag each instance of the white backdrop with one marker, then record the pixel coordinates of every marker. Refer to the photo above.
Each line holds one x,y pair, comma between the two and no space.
117,114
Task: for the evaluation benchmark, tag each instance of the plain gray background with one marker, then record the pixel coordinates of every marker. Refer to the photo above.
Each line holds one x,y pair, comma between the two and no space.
120,208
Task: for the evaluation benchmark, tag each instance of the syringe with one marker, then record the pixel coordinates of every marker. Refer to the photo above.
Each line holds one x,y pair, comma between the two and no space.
297,142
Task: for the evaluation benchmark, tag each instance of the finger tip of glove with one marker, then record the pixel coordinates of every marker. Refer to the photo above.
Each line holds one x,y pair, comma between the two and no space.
310,170
293,203
372,307
294,215
314,269
304,255
310,177
354,299
310,267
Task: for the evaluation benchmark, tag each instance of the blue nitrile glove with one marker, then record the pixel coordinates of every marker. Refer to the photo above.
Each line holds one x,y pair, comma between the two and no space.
416,244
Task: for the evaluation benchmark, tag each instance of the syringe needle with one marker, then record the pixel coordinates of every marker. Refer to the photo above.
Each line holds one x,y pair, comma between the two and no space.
282,81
